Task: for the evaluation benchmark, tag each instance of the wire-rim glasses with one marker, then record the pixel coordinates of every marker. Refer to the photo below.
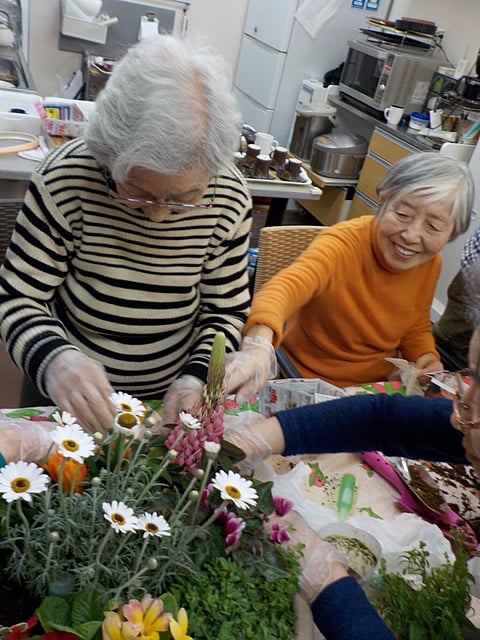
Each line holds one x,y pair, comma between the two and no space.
141,202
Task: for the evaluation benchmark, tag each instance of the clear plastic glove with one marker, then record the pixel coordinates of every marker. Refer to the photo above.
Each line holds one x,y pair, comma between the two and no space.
182,395
79,385
248,438
24,440
428,363
247,370
317,561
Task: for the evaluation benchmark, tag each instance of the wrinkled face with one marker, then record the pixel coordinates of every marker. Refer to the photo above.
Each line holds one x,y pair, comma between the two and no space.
412,229
159,192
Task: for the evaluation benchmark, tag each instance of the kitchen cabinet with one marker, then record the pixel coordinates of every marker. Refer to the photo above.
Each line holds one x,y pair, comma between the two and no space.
384,150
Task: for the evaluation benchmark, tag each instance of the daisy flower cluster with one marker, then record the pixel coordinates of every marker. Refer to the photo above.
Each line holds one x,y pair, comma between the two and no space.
123,518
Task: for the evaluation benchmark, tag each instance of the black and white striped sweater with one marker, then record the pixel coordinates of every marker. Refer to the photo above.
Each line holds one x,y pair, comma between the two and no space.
143,298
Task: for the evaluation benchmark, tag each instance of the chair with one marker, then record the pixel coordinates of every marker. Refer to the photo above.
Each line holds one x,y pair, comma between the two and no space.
277,248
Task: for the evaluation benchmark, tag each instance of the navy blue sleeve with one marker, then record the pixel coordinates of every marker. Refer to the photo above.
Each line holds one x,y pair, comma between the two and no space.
343,612
413,427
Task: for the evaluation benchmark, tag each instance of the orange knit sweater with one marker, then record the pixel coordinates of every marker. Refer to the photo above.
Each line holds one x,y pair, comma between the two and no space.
346,309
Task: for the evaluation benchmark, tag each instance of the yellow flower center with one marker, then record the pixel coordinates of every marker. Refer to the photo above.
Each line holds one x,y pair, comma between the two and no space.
232,491
128,420
151,527
118,518
127,408
20,485
70,445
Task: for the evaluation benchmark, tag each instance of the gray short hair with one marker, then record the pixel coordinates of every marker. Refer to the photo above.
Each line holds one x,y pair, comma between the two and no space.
436,176
168,107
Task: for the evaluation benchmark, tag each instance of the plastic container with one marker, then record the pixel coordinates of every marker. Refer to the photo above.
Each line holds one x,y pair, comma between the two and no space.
363,550
419,120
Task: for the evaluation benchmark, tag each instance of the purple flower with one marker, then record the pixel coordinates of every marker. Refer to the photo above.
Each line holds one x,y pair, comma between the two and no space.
282,506
232,529
279,534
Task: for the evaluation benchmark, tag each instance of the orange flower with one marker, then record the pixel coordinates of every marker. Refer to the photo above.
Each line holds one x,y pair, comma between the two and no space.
71,469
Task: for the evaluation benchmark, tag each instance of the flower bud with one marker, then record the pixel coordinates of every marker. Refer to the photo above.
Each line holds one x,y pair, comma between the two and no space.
96,481
149,422
152,564
199,474
193,496
172,454
54,536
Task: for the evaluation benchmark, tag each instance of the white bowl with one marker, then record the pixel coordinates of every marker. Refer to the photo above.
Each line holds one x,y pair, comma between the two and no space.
363,551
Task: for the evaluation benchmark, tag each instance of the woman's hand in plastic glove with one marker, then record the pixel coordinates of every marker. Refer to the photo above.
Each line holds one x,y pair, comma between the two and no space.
79,385
247,370
319,560
428,363
24,440
250,440
182,395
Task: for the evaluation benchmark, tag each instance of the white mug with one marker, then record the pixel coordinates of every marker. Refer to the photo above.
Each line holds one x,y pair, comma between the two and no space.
266,142
394,114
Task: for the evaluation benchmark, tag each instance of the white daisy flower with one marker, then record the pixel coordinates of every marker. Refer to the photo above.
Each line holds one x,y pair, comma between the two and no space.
65,419
73,442
21,479
120,516
125,403
128,423
188,421
235,488
153,525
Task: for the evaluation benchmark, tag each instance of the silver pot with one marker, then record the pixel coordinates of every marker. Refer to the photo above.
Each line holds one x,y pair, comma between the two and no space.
338,155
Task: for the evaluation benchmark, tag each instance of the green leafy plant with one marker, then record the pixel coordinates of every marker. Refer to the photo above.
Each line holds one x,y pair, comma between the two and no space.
125,518
426,602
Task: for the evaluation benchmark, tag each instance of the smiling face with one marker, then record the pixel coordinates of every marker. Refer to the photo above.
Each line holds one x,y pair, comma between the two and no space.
145,184
412,229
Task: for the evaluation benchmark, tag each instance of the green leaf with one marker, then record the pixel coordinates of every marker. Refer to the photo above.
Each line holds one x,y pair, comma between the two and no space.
24,413
87,630
53,611
88,605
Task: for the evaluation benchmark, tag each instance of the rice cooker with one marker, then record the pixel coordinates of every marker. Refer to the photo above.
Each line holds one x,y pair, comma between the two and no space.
338,155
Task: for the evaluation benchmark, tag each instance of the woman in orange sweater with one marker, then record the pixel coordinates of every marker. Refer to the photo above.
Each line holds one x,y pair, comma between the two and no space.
363,289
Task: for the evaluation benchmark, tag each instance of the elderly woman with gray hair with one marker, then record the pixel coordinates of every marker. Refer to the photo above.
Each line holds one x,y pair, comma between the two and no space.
363,289
129,253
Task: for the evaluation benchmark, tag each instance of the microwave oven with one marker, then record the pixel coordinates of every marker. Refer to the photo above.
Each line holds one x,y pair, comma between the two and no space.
375,76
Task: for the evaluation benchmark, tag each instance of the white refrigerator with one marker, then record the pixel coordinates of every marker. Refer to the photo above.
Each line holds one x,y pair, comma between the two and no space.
277,53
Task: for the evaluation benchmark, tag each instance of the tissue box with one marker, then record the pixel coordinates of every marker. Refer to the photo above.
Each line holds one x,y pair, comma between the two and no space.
66,117
76,28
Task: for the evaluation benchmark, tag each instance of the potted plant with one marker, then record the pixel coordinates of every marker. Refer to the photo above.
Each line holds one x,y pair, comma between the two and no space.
157,531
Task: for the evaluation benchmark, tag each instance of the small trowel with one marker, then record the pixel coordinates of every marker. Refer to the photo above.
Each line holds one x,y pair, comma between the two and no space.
420,483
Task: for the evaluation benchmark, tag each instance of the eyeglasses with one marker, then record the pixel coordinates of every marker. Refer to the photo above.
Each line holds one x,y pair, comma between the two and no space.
463,410
140,202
